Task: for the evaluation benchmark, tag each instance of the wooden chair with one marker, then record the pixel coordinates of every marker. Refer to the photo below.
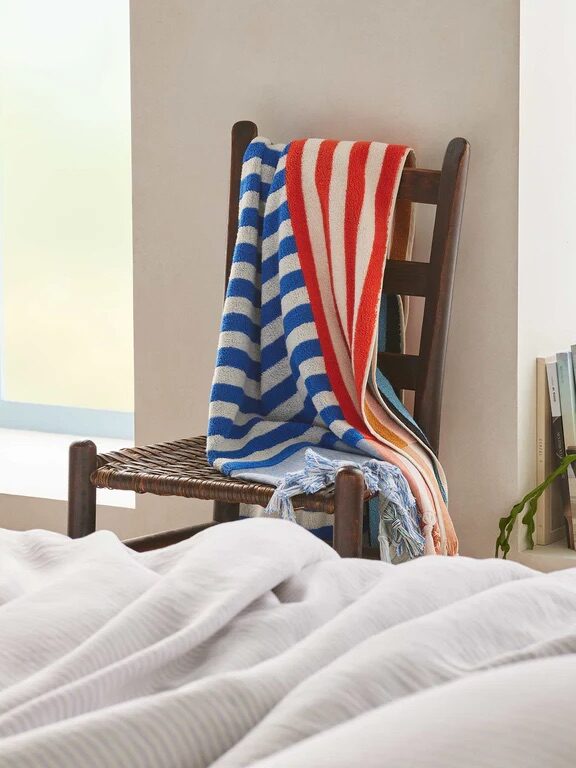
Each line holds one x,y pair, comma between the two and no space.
180,468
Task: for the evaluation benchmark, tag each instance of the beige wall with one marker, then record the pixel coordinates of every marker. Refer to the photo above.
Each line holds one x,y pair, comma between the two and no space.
24,513
413,71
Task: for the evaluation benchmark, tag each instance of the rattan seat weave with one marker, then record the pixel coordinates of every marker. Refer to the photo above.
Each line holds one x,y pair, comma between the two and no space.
180,468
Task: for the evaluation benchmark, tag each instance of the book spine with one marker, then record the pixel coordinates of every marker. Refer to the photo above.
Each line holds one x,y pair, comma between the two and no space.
555,412
543,439
573,356
567,397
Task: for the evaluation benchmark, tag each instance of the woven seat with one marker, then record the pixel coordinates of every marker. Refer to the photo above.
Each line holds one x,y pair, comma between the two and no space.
179,468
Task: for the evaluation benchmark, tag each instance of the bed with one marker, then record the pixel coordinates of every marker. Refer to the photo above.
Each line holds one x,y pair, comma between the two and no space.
255,644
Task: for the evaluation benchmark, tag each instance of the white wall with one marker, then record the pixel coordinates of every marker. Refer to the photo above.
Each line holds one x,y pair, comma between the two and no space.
547,220
414,71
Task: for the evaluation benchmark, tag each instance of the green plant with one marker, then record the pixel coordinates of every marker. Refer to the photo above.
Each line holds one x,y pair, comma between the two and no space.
506,524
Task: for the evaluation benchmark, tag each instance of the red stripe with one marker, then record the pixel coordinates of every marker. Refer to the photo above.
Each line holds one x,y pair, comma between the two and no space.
299,220
383,204
354,199
322,177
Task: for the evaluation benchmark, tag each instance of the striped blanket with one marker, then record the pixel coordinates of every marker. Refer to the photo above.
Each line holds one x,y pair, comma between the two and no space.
296,391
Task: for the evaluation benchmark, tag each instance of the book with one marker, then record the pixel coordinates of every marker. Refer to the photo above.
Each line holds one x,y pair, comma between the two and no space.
567,392
567,397
573,355
555,412
549,450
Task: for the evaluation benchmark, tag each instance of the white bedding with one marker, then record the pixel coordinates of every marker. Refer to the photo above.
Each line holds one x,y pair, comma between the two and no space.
253,643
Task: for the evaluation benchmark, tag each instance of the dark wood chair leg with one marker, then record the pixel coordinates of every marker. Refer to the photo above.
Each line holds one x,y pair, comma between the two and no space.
81,492
348,512
225,512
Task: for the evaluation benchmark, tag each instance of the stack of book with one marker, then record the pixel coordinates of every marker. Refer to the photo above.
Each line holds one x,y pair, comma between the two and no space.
555,434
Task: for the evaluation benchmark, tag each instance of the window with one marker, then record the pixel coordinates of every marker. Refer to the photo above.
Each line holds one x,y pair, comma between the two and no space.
66,350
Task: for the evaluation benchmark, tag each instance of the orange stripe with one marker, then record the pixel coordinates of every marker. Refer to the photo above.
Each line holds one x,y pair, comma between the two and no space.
384,432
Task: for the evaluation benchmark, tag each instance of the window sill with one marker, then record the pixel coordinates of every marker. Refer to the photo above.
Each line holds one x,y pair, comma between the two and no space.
552,557
36,464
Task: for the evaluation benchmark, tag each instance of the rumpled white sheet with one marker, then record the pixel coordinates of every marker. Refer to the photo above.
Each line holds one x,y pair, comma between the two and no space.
254,643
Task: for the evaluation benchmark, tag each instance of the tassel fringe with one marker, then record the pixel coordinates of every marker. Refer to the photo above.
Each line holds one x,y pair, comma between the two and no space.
399,523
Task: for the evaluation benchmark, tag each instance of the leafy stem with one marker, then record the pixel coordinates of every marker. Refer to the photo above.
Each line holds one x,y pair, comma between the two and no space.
506,524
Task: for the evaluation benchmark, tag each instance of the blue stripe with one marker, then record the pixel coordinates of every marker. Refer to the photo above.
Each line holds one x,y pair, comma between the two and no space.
253,183
326,533
269,268
285,431
248,253
235,322
383,323
271,310
279,179
287,247
387,392
272,221
238,358
305,351
316,383
250,217
273,353
232,466
397,406
443,489
228,393
227,428
374,519
352,437
309,412
292,282
244,289
267,154
279,393
296,317
330,413
330,440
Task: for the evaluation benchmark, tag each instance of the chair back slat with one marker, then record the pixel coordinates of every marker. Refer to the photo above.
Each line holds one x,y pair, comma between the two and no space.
433,280
442,268
400,370
419,185
242,134
406,278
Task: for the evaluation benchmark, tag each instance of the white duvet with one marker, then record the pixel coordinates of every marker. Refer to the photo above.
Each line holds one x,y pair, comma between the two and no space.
255,644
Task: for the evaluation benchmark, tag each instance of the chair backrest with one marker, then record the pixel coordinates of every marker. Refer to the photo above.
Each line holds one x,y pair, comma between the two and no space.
433,280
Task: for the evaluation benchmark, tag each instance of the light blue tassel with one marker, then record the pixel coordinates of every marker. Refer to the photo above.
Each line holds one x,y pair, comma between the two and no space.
398,513
318,473
280,504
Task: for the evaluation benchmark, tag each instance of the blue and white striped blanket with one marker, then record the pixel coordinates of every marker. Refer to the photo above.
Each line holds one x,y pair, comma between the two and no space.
294,395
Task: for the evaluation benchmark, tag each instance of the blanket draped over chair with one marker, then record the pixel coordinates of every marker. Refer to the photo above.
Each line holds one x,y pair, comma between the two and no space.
297,392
